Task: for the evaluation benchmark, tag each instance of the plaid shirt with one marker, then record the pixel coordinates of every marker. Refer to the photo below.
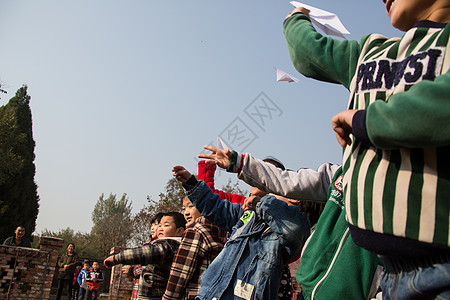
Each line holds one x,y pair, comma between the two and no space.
199,246
158,257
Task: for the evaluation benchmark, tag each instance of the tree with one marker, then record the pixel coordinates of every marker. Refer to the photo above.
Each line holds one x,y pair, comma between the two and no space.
2,90
141,223
233,188
19,201
112,223
83,242
171,199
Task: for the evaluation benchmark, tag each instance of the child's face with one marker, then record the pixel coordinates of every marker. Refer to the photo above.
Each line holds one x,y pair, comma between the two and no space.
95,265
167,228
191,213
154,230
405,13
86,267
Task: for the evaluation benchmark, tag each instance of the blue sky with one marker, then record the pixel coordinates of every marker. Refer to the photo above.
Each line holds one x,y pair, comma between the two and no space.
124,90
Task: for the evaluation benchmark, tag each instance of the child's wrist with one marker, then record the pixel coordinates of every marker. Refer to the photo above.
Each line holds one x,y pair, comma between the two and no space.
236,162
190,183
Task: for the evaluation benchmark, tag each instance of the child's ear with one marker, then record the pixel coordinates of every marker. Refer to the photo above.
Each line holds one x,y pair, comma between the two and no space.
180,231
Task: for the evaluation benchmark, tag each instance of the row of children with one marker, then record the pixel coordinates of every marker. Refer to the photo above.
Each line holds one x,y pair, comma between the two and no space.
88,281
202,242
386,207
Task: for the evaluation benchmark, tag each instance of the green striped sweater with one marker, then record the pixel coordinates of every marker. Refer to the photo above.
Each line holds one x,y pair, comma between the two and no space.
398,187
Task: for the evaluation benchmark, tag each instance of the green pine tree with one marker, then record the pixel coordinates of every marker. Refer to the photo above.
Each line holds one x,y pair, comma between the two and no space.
19,201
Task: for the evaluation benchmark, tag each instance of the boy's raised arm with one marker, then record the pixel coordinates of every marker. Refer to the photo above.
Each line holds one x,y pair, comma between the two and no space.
317,56
221,213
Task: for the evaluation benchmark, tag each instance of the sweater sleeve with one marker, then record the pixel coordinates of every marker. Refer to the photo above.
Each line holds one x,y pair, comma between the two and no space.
320,57
417,118
305,184
149,254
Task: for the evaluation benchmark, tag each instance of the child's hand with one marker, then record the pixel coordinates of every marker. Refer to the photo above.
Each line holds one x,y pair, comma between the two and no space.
299,9
248,203
109,262
342,125
218,156
181,174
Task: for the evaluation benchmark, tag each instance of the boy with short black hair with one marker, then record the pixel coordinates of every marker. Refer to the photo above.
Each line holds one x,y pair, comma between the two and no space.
396,138
201,243
158,256
81,279
93,280
135,271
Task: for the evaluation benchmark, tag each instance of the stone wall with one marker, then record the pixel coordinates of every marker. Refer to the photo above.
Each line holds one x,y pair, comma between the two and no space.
27,273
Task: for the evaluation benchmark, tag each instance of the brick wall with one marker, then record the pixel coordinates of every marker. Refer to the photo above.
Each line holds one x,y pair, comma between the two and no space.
120,285
27,273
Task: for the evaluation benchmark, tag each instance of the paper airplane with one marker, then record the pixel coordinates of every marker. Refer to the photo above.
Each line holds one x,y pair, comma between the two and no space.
324,20
283,76
221,144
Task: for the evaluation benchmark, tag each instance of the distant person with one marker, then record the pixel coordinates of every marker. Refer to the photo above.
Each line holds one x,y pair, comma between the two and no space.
18,239
81,279
93,280
75,285
67,264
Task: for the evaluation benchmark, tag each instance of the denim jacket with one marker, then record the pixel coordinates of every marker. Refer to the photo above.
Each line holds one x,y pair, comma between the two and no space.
261,243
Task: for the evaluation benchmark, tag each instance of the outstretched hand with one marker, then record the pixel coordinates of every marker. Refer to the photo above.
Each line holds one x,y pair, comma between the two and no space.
342,126
109,262
181,174
218,156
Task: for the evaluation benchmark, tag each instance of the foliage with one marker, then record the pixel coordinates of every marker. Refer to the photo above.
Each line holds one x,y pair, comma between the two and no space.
171,199
19,201
2,90
112,223
233,188
142,222
83,242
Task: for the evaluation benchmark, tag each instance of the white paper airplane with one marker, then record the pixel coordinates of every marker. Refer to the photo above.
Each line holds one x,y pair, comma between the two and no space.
283,76
324,20
221,144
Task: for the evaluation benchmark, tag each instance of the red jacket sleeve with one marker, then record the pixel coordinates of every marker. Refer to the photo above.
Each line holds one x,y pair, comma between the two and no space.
206,173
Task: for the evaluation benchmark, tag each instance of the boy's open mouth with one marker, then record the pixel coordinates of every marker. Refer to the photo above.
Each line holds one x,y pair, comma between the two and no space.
389,5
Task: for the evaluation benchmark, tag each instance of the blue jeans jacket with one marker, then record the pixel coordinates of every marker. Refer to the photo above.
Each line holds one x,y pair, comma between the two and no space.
261,243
